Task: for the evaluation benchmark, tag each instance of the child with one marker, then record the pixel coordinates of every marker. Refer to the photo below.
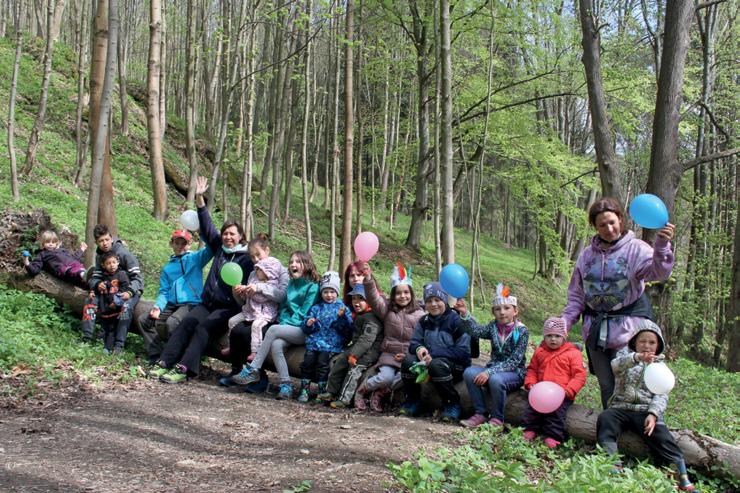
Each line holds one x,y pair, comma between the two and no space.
505,371
440,342
180,289
114,283
363,351
57,261
303,289
399,313
259,308
634,407
327,327
559,361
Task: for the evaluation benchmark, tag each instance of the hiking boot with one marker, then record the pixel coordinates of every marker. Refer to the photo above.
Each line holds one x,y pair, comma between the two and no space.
158,371
474,421
376,400
285,392
325,397
227,381
551,442
259,386
304,396
338,405
529,435
496,423
175,375
451,413
246,376
360,401
409,409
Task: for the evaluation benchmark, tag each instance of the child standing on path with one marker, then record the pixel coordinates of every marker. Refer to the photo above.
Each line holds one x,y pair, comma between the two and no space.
559,361
505,371
400,314
57,260
440,343
328,325
258,307
364,349
634,407
110,290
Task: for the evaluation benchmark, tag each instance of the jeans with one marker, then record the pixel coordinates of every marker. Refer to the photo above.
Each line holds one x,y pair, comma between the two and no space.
612,422
499,385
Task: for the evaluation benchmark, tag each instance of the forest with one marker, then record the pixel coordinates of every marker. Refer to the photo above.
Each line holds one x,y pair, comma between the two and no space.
476,132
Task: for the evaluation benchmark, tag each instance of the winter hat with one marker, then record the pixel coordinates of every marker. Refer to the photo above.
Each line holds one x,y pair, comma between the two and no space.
400,275
270,266
330,280
555,325
358,290
503,296
434,289
646,324
181,233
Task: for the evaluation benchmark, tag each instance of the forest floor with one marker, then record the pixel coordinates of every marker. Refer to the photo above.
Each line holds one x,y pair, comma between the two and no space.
148,436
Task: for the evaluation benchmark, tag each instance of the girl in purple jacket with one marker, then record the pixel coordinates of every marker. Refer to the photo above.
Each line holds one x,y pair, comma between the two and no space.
607,287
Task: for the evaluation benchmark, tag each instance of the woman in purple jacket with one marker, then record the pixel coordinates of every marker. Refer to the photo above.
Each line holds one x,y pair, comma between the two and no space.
608,286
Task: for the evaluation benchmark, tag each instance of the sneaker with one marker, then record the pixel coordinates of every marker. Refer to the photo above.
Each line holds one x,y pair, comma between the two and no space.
175,375
158,371
529,435
409,409
106,351
259,386
551,442
117,351
338,405
687,487
451,413
285,392
304,396
495,422
246,376
618,468
474,421
325,397
227,381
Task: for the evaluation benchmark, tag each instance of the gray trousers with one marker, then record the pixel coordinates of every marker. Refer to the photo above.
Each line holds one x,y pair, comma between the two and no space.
387,377
277,338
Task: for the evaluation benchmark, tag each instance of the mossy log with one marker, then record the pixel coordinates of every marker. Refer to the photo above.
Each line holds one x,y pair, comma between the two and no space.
712,455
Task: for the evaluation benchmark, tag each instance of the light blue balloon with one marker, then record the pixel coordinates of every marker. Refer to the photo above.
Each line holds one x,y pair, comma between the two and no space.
454,280
649,211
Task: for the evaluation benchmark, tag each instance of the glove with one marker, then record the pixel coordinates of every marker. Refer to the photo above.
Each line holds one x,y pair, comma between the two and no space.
352,360
26,253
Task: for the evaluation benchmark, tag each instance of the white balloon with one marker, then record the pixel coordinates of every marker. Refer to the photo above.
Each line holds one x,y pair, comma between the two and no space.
189,219
659,379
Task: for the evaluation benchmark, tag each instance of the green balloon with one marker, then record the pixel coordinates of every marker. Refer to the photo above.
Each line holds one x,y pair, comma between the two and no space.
231,273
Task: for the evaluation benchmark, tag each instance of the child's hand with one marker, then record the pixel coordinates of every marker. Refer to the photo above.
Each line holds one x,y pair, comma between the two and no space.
126,296
250,290
667,232
399,356
650,422
352,360
201,185
310,322
646,357
83,246
423,354
101,288
365,269
528,387
460,307
341,312
92,295
154,313
481,379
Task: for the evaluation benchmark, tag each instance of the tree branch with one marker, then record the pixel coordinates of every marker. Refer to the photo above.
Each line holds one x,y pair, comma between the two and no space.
704,5
517,103
709,157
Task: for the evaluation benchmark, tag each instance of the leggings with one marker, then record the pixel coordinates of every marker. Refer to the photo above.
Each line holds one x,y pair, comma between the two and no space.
388,377
277,338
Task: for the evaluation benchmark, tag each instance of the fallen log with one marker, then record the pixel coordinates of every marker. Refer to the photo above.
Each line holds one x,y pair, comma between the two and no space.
702,451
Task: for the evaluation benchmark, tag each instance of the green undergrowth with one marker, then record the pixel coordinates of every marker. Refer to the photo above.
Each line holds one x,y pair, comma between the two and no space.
491,461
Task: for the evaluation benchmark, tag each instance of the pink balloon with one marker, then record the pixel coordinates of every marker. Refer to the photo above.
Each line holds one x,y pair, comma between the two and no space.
545,397
366,246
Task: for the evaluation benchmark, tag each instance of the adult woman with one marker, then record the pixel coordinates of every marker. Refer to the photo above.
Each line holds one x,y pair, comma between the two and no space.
208,320
608,286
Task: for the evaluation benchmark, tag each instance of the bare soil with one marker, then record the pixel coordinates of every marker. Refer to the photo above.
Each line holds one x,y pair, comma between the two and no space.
197,436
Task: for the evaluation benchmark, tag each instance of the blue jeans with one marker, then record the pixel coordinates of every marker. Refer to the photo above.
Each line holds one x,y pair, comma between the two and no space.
499,384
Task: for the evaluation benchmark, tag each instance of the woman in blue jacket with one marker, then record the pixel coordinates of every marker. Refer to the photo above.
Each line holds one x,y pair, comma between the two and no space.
208,320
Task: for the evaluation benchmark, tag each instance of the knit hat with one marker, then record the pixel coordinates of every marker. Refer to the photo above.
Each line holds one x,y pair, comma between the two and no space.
400,275
555,325
434,289
330,280
181,233
358,290
270,266
503,296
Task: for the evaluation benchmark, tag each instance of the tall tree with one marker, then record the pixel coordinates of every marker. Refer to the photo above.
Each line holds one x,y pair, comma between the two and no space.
306,114
159,186
190,69
345,251
446,163
54,18
81,35
11,103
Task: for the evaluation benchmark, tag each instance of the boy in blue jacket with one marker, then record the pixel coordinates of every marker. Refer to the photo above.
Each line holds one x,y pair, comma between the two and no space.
180,288
439,342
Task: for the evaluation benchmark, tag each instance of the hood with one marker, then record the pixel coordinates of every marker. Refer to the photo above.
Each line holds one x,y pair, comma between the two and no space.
270,266
642,327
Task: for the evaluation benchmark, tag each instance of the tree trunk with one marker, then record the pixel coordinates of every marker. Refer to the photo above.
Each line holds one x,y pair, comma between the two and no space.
159,187
162,73
190,69
82,44
122,60
611,181
11,103
304,140
733,317
54,18
665,171
110,11
345,251
446,163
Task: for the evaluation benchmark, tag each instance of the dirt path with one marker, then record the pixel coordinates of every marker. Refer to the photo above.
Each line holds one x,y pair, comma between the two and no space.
197,437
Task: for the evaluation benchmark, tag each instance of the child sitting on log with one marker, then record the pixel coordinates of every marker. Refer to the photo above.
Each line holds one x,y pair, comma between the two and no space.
555,360
57,261
634,407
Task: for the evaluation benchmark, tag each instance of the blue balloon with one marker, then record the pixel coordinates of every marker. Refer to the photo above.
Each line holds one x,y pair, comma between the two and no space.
649,211
454,280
